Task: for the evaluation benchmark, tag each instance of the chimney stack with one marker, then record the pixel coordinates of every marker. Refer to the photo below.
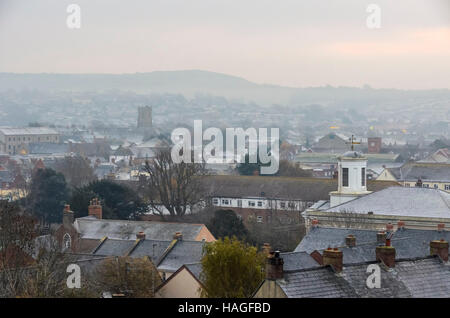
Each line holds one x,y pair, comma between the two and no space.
400,225
68,216
95,208
386,254
350,240
440,227
140,236
315,223
439,248
178,236
333,257
274,266
381,237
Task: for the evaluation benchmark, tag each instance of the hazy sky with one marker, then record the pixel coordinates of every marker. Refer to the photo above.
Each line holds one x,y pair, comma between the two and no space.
286,42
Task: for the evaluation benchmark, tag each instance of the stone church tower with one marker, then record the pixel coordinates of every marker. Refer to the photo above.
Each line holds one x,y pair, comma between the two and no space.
144,117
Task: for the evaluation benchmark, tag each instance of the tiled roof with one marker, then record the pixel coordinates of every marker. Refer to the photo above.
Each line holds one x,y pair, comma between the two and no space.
439,172
90,227
408,243
424,277
307,189
315,283
401,201
298,260
184,252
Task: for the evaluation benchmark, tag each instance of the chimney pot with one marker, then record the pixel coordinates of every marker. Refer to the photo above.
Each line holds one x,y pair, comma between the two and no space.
441,227
400,225
350,240
266,249
333,257
381,237
386,254
178,236
140,236
315,222
389,227
439,248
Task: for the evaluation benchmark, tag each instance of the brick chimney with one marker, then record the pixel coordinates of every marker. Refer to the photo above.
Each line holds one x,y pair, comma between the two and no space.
266,249
350,240
95,208
315,223
439,248
386,254
389,227
274,266
178,236
68,216
333,257
140,236
440,227
381,237
400,225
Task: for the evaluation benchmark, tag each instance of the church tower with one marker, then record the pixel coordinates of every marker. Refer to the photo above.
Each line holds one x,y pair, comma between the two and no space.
352,181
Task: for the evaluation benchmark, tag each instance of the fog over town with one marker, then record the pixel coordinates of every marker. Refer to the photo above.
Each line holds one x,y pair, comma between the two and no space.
332,120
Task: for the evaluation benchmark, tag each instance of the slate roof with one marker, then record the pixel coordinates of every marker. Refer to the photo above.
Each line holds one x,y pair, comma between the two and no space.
10,131
154,249
298,260
423,277
184,252
315,283
332,158
47,148
408,243
306,189
320,238
196,269
401,201
90,227
439,172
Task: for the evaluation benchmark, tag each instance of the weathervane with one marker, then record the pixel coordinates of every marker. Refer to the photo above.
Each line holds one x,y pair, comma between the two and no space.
352,142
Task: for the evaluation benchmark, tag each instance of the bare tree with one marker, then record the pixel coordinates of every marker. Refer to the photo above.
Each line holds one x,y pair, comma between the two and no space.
174,187
76,170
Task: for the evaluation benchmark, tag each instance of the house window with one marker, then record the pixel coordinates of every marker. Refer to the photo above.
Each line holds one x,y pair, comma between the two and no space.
291,205
259,203
447,187
345,177
436,186
363,177
251,203
67,241
224,201
282,205
239,203
259,219
215,201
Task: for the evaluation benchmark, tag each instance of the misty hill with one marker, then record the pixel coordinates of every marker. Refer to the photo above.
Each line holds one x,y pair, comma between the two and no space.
191,82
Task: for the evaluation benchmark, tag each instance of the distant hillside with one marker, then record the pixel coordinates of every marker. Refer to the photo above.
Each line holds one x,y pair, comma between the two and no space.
191,82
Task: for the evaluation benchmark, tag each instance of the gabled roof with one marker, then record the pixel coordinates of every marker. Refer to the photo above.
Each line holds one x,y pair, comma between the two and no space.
421,277
315,283
439,172
298,260
184,252
91,227
400,201
290,188
408,243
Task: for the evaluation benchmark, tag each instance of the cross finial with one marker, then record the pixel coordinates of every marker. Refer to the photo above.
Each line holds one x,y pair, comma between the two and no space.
352,141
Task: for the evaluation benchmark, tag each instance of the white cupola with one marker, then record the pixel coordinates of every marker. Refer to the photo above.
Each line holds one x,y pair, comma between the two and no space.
352,182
